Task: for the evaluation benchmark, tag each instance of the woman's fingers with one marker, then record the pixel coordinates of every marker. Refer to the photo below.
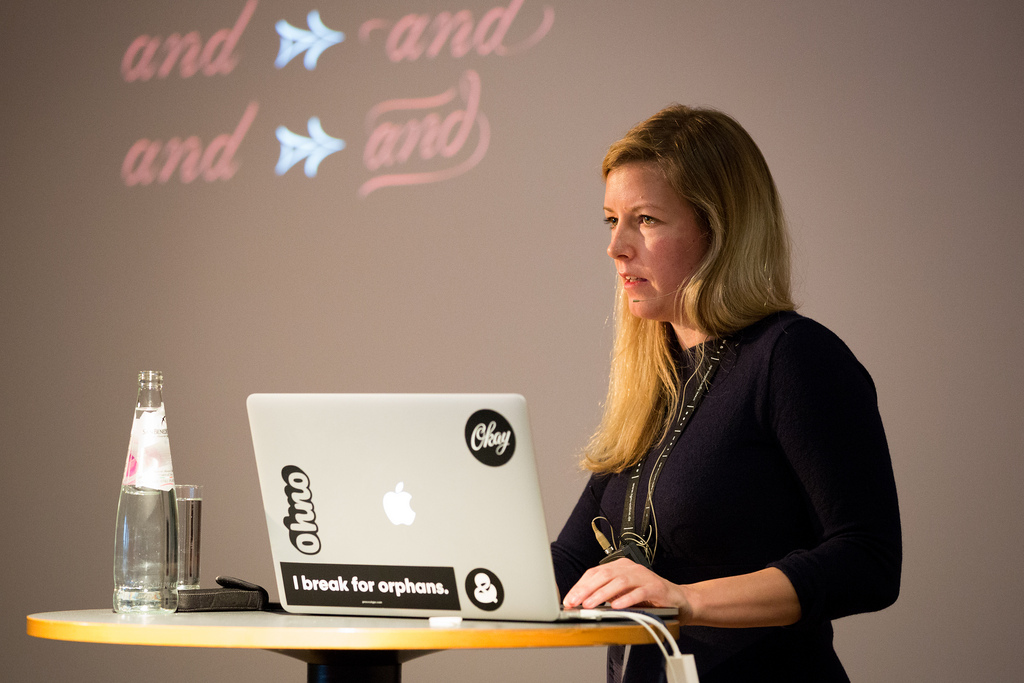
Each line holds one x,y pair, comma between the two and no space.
622,583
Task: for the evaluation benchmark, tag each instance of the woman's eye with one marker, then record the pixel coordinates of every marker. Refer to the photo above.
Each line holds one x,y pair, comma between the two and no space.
647,220
611,221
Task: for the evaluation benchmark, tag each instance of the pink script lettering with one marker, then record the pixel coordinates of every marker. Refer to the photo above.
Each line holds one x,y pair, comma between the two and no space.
150,56
417,35
391,143
149,161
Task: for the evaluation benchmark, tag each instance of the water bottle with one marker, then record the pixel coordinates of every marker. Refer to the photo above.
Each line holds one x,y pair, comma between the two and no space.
146,533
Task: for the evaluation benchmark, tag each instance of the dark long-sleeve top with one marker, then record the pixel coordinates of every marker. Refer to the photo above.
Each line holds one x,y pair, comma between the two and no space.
785,464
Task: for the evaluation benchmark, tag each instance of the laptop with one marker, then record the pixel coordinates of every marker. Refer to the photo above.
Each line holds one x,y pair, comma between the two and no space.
410,505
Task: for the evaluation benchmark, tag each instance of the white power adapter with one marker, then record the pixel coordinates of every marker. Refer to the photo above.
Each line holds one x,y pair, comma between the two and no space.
681,669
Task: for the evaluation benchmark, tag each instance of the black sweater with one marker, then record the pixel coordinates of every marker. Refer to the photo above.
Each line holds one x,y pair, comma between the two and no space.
784,464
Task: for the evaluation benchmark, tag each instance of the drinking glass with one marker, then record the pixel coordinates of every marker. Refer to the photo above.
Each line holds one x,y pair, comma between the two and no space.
190,515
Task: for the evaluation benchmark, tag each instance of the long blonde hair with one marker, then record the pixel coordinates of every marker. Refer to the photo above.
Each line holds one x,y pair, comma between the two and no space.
712,163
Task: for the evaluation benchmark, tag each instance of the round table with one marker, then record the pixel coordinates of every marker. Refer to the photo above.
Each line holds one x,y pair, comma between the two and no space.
334,648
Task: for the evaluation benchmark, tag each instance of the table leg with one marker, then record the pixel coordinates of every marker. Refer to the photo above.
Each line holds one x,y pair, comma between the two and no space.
330,673
351,666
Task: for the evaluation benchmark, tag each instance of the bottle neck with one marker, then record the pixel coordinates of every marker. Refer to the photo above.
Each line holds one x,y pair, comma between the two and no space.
149,398
151,384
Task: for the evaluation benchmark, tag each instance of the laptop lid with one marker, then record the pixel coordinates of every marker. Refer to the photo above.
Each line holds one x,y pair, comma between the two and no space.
403,505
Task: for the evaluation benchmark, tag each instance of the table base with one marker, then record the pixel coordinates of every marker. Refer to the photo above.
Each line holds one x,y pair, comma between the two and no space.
371,666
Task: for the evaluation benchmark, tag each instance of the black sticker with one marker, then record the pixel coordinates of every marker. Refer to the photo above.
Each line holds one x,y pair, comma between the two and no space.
484,589
359,585
490,438
301,519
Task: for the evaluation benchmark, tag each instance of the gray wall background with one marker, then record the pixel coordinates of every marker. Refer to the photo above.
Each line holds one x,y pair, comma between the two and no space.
894,133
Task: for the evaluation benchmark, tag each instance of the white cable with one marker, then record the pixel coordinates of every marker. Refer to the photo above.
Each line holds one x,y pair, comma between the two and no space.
660,625
654,636
676,664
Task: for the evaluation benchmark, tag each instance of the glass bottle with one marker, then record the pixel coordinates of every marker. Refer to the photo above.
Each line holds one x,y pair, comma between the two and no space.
146,532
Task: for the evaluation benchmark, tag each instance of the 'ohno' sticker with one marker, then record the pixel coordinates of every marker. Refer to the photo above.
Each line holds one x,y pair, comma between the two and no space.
490,438
484,589
301,519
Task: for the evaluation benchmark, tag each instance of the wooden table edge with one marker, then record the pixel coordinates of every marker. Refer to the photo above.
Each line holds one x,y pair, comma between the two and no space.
583,634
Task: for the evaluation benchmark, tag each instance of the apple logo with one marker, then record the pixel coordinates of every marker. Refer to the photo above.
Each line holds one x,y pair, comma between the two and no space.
396,506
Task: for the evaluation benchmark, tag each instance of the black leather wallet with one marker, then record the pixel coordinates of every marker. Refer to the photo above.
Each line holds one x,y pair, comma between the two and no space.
234,595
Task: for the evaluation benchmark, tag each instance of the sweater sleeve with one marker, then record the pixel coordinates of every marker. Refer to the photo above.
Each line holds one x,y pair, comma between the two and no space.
576,550
822,406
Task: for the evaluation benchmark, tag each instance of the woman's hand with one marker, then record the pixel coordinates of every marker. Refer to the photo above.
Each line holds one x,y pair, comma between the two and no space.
761,598
624,583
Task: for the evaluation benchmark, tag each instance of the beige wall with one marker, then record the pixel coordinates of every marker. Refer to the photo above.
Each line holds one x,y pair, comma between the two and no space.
893,130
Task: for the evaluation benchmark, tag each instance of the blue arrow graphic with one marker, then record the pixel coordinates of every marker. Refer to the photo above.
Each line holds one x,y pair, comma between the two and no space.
295,41
314,149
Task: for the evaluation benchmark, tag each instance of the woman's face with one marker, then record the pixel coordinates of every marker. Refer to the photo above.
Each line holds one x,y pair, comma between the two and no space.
656,242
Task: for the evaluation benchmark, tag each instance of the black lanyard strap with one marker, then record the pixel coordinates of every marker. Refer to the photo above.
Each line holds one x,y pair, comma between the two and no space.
692,396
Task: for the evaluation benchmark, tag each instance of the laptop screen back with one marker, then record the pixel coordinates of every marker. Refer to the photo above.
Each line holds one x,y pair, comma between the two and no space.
403,505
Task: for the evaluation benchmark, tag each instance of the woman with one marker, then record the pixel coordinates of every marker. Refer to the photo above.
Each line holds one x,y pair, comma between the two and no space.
772,508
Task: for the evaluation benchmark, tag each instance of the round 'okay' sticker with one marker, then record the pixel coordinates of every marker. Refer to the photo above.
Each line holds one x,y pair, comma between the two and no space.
490,437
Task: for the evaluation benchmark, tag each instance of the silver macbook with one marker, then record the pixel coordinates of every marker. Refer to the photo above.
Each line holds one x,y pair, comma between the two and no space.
404,505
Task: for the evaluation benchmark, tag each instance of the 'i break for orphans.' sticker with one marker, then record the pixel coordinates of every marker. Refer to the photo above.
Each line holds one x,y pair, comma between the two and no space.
381,587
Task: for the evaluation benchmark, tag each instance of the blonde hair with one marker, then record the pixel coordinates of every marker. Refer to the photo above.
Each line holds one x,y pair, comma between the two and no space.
712,163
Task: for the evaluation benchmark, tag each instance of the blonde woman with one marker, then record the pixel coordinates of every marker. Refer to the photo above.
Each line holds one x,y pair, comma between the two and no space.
746,437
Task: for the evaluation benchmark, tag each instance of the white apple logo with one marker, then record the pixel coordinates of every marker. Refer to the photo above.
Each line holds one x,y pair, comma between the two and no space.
396,505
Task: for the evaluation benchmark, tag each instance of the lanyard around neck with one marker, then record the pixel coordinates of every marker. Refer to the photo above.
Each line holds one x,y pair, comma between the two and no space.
692,396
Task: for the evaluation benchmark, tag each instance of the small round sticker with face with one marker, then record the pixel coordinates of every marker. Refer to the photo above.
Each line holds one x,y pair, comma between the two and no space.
490,438
484,589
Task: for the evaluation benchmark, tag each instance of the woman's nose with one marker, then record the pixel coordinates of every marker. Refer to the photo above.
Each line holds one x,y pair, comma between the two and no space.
618,246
